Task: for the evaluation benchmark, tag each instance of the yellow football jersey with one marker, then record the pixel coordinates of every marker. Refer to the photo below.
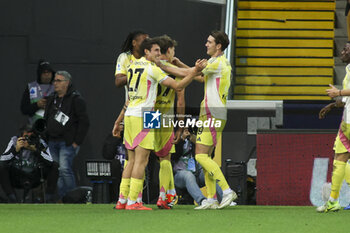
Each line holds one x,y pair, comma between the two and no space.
217,79
346,99
143,79
123,62
166,95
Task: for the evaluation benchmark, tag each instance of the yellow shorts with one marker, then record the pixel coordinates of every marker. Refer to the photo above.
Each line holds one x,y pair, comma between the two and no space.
210,133
163,139
342,142
135,135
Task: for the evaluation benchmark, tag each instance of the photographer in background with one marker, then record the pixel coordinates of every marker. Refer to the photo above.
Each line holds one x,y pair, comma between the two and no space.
26,163
189,174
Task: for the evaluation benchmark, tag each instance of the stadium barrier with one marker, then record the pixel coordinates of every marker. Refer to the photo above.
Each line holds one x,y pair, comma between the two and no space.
293,166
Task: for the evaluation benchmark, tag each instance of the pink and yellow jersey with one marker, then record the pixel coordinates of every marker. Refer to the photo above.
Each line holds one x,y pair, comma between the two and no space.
342,141
165,104
123,62
346,99
166,95
217,79
143,79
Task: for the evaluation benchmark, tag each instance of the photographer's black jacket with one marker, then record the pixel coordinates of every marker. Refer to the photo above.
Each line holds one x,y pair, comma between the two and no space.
25,154
73,105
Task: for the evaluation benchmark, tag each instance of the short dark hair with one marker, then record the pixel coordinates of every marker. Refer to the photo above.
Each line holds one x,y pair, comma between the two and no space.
147,44
165,42
221,38
25,128
127,44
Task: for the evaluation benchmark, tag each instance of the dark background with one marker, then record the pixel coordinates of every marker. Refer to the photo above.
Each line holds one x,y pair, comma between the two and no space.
84,38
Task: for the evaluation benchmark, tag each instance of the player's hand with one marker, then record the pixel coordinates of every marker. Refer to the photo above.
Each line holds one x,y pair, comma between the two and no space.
325,110
333,91
176,60
201,64
116,131
21,143
74,145
41,103
177,136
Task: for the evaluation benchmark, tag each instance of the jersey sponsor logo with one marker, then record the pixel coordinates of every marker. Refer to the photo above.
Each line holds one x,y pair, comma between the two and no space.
151,119
135,97
162,102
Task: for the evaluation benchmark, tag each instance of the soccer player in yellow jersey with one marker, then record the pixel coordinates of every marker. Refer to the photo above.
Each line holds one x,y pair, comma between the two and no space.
341,147
164,137
216,77
142,81
130,52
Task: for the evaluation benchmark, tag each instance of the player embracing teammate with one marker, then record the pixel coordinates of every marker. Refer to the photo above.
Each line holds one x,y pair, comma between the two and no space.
146,81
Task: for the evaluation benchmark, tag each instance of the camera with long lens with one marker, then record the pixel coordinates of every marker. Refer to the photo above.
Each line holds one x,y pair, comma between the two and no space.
38,130
26,168
32,139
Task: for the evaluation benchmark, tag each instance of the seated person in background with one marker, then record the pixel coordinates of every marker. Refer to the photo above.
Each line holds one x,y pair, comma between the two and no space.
188,173
25,162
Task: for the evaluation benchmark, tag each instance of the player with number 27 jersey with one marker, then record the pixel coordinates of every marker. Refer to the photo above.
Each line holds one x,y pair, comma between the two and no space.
143,79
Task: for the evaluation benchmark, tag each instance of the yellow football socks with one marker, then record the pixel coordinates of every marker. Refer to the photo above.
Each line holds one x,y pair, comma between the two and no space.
124,189
337,178
213,169
136,185
171,184
210,184
165,173
347,172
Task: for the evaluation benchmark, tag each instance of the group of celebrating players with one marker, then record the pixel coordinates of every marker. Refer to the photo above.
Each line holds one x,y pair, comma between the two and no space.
152,76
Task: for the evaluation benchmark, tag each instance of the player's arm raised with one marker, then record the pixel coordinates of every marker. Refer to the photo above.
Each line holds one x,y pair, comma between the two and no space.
180,71
178,86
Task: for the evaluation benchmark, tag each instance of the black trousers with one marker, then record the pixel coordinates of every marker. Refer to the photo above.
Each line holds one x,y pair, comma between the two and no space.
14,177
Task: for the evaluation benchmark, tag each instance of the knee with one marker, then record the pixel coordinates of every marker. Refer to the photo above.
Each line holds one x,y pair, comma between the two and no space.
164,163
188,176
65,171
201,157
343,157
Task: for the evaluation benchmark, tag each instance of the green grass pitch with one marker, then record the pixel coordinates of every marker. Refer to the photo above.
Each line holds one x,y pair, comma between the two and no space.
97,218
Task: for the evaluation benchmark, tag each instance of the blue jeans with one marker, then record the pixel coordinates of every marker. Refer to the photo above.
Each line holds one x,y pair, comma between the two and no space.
64,156
186,179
